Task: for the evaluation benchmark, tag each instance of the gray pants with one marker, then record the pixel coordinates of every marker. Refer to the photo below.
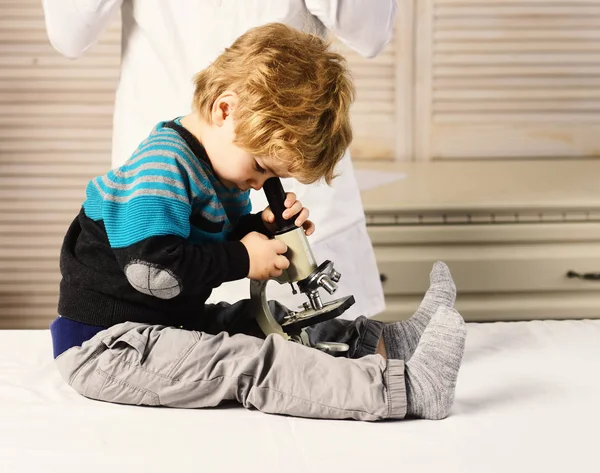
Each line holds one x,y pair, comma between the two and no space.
133,363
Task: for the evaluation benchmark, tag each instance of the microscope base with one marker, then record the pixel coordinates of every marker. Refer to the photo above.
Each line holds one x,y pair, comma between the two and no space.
293,324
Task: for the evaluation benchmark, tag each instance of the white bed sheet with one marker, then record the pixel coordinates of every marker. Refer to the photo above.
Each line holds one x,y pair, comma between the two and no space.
527,401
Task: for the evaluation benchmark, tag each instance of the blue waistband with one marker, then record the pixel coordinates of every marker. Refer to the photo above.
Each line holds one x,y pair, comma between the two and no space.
67,333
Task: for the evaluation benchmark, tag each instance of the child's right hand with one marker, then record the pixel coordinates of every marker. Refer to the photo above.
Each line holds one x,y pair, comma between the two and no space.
266,256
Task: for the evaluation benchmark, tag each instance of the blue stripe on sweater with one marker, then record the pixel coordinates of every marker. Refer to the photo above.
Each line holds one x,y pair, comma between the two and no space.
144,218
156,191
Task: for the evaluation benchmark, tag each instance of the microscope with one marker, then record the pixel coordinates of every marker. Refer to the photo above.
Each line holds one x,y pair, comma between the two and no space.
308,277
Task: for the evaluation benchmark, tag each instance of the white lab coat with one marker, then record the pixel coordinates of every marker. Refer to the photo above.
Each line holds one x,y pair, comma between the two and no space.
166,42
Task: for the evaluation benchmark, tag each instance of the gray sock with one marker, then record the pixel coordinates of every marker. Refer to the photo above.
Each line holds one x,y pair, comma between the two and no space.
401,338
433,369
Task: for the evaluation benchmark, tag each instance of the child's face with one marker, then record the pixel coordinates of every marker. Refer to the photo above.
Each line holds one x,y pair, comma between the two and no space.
236,168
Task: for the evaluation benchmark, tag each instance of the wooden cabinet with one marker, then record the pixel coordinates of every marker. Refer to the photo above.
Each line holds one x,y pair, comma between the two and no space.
509,231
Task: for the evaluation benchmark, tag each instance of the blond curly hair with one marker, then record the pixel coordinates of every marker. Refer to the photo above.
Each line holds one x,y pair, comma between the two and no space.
294,96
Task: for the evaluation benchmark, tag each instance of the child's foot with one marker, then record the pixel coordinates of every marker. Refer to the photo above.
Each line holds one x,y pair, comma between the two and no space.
401,338
432,371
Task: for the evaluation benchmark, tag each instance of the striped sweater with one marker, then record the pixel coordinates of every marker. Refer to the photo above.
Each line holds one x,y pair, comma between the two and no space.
153,238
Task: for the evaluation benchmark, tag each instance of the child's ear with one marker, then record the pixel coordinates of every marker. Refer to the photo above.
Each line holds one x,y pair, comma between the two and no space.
223,107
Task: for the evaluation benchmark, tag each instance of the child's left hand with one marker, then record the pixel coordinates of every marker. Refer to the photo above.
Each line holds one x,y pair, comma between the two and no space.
293,206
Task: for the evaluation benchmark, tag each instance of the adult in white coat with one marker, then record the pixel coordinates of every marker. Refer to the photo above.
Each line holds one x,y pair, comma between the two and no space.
164,43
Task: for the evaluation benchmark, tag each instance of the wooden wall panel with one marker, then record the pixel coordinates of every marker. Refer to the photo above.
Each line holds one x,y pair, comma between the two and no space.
507,79
55,134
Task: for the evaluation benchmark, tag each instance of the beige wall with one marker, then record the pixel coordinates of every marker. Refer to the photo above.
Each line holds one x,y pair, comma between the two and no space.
55,121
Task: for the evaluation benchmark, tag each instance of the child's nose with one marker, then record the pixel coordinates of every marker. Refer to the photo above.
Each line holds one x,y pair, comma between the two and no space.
254,184
258,183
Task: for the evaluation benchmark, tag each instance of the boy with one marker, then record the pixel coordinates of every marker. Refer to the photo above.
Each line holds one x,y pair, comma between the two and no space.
154,237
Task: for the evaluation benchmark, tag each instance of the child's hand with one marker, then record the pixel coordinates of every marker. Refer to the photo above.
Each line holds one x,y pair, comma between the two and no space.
266,256
293,206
